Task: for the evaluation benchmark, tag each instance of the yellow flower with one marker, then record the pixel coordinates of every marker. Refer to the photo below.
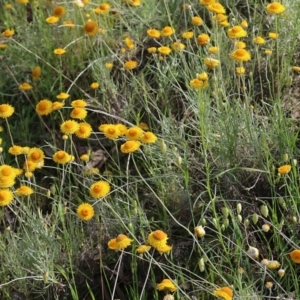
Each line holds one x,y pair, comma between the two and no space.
30,166
22,1
265,227
8,33
211,63
240,55
6,197
7,171
273,35
224,293
213,50
44,107
111,131
59,51
269,285
157,239
273,264
153,33
15,150
130,64
69,127
122,128
102,9
167,31
143,126
99,189
78,113
295,256
36,155
207,2
203,39
84,131
61,157
148,138
164,249
259,40
166,284
244,24
239,45
8,6
177,46
130,146
91,28
79,103
187,35
134,133
197,21
52,20
142,249
85,211
36,73
109,65
129,43
57,105
85,157
24,190
25,86
236,32
198,84
59,11
69,24
3,46
6,111
134,2
296,69
275,8
240,70
94,85
285,169
216,8
164,50
199,230
220,18
152,49
202,76
121,242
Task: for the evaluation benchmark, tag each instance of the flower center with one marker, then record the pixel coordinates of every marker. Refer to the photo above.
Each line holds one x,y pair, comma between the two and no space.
128,145
240,52
236,29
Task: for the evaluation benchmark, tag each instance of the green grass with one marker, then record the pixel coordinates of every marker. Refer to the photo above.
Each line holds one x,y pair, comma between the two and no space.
215,162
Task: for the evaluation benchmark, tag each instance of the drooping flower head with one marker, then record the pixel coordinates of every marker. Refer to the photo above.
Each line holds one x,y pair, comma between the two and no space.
153,33
216,8
25,86
166,284
157,239
85,211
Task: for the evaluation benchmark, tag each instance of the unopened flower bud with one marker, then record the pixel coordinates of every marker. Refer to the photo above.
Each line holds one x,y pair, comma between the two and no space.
239,208
163,147
295,162
223,227
269,285
265,227
264,210
178,161
246,223
226,222
214,222
281,272
199,230
253,252
201,264
46,277
285,157
255,218
203,221
294,219
225,212
239,218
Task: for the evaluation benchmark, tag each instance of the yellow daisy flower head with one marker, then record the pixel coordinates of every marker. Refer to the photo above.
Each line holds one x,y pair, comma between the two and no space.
59,51
103,126
84,131
6,111
134,133
211,63
111,131
3,46
177,46
236,32
121,242
202,76
78,113
166,284
7,171
99,189
69,24
207,2
6,197
148,138
85,157
25,86
285,169
244,24
15,150
129,43
30,166
240,70
275,8
79,103
259,40
197,21
239,45
69,127
134,2
102,9
164,249
219,18
273,35
225,293
91,171
198,84
143,126
24,191
213,50
240,55
167,31
216,8
153,33
91,28
61,157
52,20
122,128
295,256
164,50
36,155
130,146
85,211
94,85
157,239
273,264
57,105
8,33
36,72
152,50
187,35
199,231
63,96
296,69
130,64
143,249
59,11
7,182
109,65
269,285
44,107
203,39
